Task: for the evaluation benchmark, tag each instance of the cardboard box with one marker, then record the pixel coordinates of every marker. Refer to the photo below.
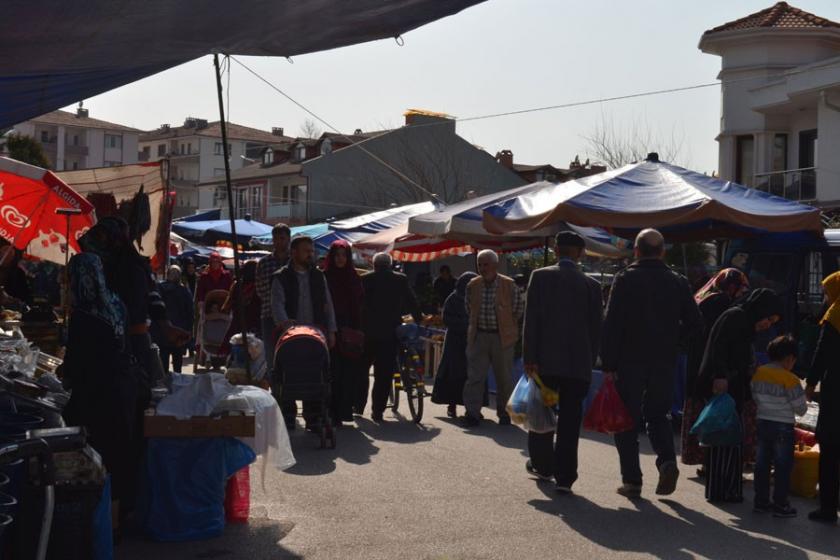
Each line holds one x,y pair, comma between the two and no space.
199,426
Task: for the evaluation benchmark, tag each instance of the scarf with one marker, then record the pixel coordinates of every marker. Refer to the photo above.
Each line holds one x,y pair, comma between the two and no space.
721,282
91,295
345,285
831,285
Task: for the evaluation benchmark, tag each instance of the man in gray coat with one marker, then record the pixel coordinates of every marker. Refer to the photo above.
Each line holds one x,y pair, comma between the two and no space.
561,335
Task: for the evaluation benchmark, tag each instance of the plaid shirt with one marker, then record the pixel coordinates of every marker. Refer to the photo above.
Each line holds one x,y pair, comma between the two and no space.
487,320
266,268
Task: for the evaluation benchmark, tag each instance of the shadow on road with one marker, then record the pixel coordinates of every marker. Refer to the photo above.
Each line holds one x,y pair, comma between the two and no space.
352,446
512,437
649,530
262,535
397,429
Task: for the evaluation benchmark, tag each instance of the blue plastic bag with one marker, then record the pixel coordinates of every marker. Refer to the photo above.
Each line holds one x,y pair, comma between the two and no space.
539,418
185,479
517,405
719,424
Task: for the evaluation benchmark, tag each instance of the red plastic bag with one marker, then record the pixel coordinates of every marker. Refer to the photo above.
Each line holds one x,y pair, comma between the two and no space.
608,414
238,496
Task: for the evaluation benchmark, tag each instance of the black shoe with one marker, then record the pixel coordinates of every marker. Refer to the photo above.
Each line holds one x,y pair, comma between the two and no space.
529,466
763,508
631,491
563,489
784,511
452,411
377,417
821,516
470,421
668,475
504,421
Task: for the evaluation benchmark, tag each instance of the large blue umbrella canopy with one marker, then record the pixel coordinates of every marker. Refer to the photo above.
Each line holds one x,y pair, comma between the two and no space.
56,53
211,231
681,202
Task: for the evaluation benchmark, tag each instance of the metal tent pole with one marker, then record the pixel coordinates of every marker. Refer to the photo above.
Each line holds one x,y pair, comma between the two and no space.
239,302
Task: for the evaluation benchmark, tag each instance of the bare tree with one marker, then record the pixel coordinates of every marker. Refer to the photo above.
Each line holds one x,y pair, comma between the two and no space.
615,145
310,129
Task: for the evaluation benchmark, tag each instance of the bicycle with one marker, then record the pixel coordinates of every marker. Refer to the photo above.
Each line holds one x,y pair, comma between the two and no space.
409,378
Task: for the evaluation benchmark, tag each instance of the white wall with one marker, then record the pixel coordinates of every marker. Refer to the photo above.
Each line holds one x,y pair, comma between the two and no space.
828,147
210,161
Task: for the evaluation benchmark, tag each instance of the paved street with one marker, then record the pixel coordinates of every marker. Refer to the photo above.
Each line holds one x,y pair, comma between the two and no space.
439,492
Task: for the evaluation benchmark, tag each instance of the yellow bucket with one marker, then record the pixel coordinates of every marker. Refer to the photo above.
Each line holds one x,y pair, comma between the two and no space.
806,472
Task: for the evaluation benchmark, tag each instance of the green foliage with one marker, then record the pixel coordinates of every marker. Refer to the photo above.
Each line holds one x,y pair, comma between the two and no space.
27,150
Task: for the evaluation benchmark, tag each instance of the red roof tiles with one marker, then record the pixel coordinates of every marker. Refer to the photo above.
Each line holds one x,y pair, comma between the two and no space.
779,16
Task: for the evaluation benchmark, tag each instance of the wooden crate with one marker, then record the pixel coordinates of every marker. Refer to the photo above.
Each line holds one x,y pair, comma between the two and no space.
198,426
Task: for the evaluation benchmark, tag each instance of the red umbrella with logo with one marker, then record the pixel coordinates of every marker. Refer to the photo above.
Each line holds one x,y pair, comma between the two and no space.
37,210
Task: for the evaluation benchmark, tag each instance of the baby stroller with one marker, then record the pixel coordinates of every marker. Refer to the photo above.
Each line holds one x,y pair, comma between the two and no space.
302,372
212,330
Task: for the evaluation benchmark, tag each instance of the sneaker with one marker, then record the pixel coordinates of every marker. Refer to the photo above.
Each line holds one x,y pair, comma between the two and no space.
668,475
565,490
529,466
504,421
470,421
631,491
784,511
821,516
763,508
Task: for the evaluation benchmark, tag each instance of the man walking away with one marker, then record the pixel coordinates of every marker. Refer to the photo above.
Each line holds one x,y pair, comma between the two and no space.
443,285
387,296
267,266
650,311
494,305
560,343
299,296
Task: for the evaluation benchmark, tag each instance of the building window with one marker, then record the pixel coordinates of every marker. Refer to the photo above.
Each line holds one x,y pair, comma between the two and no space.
75,139
780,152
75,165
113,141
217,149
300,152
249,201
183,149
326,146
268,157
744,160
161,150
45,136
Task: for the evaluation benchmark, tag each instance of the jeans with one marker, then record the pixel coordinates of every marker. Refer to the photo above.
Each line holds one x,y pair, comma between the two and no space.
383,355
560,457
268,341
775,446
647,393
484,351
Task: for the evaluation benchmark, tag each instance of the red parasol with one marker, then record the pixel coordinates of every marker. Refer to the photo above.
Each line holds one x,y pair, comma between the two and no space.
29,199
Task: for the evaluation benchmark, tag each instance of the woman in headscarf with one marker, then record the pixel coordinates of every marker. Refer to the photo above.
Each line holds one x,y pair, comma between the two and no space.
349,377
825,371
104,390
713,299
214,278
189,276
247,290
452,371
727,367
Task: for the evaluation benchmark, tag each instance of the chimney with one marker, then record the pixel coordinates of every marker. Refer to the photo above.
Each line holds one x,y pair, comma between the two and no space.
81,113
423,117
277,131
505,157
358,132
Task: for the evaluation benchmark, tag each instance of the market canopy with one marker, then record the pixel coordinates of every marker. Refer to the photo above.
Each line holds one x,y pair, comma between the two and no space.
682,203
311,230
409,247
211,231
463,222
56,53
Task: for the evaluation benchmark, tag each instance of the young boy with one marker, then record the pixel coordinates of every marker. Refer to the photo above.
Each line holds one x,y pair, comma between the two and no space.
779,396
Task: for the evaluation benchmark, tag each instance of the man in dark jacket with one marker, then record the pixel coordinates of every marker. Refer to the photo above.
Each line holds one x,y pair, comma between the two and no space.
560,344
650,311
179,308
387,297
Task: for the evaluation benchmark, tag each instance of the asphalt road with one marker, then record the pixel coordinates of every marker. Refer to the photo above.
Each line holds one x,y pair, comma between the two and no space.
437,491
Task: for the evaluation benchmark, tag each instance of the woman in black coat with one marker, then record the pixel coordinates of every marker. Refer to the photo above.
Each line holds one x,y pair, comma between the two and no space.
727,368
826,371
713,300
452,372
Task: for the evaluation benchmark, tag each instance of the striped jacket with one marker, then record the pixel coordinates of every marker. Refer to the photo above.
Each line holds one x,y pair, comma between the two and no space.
778,394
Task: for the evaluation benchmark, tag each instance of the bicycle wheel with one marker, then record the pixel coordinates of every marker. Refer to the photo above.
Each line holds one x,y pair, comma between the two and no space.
414,396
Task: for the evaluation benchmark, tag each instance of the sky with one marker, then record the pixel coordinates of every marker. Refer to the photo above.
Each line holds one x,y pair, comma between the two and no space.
498,56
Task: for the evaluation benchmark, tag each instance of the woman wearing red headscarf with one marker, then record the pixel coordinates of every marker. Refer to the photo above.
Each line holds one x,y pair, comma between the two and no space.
348,372
215,278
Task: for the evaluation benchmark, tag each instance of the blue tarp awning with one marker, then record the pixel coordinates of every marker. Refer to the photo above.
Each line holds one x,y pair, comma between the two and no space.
214,214
311,230
57,53
684,203
210,231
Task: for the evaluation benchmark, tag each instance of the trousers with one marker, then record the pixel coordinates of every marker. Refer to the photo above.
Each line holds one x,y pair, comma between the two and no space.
382,354
559,457
829,476
647,393
775,446
484,351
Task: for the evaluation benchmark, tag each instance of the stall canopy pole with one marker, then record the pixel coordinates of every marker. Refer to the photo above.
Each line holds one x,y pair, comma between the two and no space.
239,301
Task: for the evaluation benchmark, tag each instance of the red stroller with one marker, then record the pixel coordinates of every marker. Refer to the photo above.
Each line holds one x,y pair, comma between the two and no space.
302,372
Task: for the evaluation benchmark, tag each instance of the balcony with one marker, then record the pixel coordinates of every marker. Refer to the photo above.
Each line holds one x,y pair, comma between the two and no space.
793,184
